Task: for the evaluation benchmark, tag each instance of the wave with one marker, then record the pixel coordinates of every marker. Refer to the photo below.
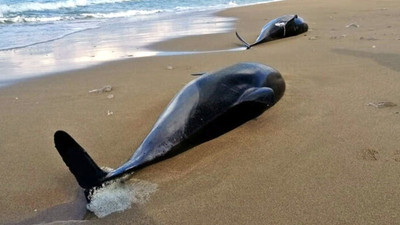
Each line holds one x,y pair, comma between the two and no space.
39,12
82,16
41,6
22,19
230,4
128,13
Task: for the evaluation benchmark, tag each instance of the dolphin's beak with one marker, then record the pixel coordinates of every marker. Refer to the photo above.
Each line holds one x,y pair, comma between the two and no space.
305,27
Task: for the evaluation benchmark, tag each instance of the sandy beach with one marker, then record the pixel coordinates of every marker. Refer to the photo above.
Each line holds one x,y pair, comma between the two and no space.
327,153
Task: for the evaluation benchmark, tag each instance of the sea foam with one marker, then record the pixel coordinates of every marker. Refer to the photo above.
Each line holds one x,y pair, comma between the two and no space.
119,196
41,6
128,13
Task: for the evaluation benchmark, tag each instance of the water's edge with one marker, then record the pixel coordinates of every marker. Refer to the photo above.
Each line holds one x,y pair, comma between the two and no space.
110,44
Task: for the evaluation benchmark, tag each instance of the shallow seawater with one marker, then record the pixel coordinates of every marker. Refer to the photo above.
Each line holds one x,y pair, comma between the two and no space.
40,37
112,41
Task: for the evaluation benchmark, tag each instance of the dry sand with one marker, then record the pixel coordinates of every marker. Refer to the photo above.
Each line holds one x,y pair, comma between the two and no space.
322,155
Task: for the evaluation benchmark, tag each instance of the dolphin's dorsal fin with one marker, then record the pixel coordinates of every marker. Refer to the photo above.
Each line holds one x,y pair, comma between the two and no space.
263,95
294,17
283,24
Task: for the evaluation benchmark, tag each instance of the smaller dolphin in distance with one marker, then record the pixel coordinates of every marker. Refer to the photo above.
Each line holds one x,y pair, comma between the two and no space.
281,27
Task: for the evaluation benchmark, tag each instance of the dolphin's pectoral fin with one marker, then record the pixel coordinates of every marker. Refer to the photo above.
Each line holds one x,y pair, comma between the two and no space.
85,170
262,95
198,74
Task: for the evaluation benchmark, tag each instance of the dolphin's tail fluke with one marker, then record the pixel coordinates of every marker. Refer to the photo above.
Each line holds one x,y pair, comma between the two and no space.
243,41
85,170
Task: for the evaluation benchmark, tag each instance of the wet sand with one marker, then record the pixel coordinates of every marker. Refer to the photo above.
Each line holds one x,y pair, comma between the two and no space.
110,40
322,155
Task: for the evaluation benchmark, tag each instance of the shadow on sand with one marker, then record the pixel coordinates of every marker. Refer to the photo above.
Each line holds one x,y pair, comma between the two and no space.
388,60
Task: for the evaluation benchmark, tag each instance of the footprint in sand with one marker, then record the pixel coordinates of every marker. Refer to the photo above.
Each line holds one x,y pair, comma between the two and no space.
396,156
369,154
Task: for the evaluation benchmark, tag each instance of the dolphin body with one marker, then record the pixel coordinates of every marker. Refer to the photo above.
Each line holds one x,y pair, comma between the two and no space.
206,108
281,27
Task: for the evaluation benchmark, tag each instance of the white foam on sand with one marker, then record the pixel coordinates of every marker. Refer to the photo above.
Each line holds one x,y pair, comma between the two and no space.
119,196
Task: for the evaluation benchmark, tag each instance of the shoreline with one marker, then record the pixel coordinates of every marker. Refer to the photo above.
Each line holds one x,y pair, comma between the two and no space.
94,54
49,57
321,155
116,39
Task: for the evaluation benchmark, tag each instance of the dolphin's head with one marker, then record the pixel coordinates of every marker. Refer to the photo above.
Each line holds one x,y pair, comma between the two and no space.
302,26
296,26
275,82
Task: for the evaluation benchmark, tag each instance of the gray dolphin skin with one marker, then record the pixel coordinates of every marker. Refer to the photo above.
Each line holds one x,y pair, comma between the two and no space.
281,27
205,108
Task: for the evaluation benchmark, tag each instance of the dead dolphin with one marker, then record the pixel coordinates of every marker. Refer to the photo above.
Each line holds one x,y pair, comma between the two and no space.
206,108
281,27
